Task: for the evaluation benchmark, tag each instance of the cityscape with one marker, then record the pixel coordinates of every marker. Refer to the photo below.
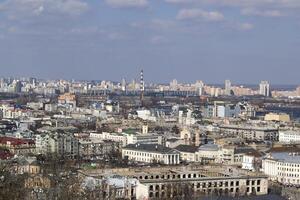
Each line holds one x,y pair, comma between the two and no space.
69,139
149,100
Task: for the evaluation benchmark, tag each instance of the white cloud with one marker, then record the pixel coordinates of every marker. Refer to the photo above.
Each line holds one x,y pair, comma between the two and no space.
127,3
158,39
196,14
264,13
18,9
245,26
179,1
244,3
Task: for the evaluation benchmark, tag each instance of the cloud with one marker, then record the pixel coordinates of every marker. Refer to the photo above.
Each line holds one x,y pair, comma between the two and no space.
179,1
18,9
158,39
127,3
264,13
243,3
156,25
198,14
245,26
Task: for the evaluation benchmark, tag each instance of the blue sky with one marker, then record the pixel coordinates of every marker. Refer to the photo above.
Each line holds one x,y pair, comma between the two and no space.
211,40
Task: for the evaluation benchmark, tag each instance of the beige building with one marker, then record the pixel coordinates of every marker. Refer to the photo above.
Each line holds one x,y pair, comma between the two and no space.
279,117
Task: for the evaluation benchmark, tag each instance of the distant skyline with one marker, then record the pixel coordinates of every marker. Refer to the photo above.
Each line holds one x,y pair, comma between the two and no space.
245,41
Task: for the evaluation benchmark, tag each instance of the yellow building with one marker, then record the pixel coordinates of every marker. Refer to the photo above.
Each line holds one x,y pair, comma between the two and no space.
280,117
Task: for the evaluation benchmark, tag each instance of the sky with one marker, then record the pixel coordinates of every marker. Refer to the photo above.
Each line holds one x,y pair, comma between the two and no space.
245,41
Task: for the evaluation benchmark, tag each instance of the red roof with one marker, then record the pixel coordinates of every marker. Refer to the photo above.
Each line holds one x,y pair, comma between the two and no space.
16,141
5,154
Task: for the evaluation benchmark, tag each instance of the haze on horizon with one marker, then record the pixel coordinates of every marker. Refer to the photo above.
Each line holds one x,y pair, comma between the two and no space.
245,41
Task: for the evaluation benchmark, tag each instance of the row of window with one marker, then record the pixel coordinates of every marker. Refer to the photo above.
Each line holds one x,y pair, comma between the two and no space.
288,164
171,176
289,175
209,191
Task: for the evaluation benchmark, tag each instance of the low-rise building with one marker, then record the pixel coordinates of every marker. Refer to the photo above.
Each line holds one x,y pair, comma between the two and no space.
91,148
117,137
289,136
151,153
252,133
208,153
145,139
63,144
252,161
283,167
278,117
186,182
188,153
18,146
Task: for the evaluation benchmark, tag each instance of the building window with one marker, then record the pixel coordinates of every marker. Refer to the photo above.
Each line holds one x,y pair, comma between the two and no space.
258,189
150,194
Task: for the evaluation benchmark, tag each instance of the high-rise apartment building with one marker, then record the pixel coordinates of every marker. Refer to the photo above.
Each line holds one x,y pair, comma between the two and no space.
264,88
199,85
227,87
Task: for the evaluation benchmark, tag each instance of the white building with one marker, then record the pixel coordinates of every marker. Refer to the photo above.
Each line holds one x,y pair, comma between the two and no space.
283,167
289,136
145,115
57,143
149,153
188,153
209,153
145,139
117,137
227,87
252,161
264,88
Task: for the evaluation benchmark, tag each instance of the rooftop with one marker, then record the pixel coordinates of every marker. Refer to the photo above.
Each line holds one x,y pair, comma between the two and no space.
187,148
286,157
15,141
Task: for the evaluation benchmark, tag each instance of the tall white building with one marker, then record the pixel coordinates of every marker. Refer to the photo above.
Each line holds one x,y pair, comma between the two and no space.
173,84
123,85
227,87
199,85
264,88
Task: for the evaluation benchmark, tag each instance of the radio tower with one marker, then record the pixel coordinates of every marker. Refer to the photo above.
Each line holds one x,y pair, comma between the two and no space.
142,87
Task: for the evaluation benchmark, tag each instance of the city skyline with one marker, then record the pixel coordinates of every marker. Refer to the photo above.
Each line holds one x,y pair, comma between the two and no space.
147,81
245,41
